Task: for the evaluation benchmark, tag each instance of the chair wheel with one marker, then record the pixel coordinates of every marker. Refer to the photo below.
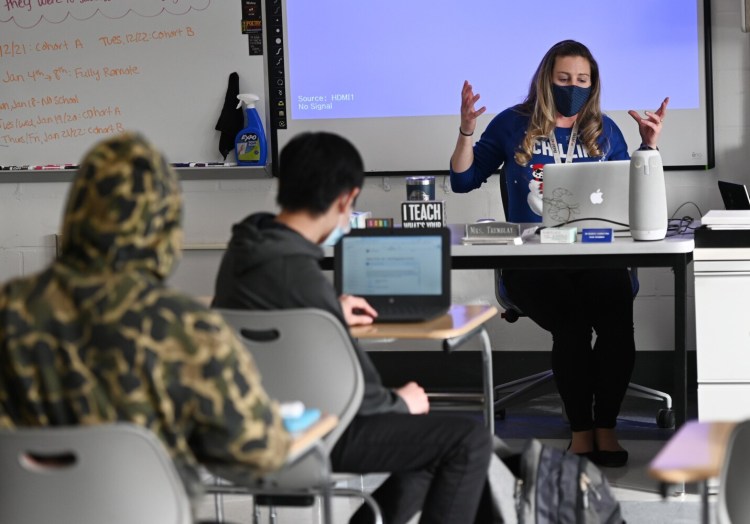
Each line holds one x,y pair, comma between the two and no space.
665,418
500,414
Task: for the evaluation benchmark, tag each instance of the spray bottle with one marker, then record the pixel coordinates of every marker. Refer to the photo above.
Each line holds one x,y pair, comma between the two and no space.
250,143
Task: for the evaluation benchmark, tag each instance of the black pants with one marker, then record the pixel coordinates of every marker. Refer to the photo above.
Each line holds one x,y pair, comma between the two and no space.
571,304
437,464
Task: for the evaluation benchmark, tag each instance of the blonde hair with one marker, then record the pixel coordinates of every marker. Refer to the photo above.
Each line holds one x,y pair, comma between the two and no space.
539,105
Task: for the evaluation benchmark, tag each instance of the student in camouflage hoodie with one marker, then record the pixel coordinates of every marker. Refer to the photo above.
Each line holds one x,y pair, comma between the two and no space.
97,337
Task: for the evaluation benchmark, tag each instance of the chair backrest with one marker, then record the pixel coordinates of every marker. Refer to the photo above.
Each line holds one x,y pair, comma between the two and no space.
306,355
503,191
733,505
114,473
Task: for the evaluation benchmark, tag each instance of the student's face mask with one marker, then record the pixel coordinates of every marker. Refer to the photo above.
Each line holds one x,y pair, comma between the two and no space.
338,232
570,99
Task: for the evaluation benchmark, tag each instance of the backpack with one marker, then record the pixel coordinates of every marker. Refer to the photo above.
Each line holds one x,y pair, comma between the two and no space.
546,485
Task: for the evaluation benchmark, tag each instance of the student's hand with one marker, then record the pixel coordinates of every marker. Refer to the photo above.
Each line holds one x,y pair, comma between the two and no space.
415,398
357,311
468,114
650,127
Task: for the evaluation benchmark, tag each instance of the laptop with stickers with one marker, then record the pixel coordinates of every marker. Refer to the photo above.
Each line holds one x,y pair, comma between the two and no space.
587,195
403,273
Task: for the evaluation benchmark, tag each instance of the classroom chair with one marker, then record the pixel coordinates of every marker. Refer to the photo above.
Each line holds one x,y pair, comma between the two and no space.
305,355
114,473
525,388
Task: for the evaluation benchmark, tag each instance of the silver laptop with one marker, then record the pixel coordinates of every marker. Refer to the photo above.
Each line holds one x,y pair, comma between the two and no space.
587,195
403,273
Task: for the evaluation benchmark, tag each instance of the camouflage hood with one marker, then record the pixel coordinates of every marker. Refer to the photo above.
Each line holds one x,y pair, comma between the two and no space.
124,211
99,337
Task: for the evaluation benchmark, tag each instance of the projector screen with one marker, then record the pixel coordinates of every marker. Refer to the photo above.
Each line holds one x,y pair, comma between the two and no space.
388,74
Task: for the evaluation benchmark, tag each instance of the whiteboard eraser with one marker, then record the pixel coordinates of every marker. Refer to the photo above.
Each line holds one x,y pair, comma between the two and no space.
558,235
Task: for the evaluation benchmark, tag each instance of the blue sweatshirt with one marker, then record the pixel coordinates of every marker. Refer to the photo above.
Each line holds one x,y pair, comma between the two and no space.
498,145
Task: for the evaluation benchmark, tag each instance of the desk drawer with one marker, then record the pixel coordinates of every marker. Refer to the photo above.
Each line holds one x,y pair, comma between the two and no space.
722,326
726,402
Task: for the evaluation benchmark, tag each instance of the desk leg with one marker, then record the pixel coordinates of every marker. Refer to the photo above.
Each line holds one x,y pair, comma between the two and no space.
489,401
705,519
680,342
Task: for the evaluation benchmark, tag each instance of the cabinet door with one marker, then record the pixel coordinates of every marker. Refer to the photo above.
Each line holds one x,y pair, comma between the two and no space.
719,402
722,326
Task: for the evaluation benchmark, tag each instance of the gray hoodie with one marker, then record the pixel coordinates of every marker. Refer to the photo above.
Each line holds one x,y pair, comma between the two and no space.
270,266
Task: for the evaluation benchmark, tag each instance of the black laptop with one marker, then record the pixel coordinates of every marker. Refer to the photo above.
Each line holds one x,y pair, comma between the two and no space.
403,273
734,195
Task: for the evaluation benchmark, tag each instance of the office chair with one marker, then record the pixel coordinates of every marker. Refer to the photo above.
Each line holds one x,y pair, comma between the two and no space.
516,391
733,504
306,355
114,473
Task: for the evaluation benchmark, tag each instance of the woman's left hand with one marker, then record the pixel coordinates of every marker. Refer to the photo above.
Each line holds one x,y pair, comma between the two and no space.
650,127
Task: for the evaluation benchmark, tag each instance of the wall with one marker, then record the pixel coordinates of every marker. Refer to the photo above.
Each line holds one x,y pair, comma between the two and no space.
31,211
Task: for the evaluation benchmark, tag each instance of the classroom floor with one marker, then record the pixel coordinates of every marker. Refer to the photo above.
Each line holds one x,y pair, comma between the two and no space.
541,418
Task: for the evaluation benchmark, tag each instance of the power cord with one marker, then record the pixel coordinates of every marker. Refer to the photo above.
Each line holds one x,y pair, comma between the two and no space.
680,226
626,226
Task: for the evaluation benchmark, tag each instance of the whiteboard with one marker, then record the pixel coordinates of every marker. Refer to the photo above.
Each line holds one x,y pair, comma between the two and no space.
74,71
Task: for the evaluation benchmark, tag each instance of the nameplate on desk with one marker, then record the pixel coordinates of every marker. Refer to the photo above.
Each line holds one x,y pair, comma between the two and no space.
490,230
418,214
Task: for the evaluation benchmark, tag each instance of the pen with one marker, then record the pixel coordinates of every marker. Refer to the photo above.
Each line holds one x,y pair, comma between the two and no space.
47,167
202,164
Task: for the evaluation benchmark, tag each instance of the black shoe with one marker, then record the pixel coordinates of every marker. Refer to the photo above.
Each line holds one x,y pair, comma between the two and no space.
609,459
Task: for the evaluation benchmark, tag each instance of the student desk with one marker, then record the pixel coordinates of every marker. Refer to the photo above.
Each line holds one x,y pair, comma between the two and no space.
675,252
694,454
301,442
460,324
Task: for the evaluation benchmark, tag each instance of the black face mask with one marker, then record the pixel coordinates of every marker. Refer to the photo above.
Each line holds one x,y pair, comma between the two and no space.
569,99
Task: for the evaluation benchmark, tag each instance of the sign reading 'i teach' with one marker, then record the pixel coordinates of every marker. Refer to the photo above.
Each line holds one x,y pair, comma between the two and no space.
427,213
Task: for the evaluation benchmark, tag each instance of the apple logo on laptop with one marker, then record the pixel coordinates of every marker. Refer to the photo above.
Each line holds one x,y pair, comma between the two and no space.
597,197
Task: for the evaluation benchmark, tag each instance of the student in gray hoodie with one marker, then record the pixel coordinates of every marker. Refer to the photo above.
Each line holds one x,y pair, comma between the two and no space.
438,463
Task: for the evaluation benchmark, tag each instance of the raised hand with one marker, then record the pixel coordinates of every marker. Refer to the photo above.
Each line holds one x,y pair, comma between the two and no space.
650,127
469,114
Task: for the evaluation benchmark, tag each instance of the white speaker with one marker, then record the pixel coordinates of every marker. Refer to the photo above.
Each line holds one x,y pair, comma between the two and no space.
648,196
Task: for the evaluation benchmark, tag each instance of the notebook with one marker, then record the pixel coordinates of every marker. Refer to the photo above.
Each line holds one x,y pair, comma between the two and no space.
587,195
403,273
734,195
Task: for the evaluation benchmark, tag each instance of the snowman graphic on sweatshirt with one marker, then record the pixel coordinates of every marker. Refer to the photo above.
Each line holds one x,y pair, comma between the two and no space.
536,188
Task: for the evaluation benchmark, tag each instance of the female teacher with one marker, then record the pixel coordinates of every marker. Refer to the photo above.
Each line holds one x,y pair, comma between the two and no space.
561,121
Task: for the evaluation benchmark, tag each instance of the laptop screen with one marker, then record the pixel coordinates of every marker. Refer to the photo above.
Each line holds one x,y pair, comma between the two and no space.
392,265
734,195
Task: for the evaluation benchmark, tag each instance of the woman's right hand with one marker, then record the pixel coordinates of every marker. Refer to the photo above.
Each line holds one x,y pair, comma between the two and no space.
468,114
